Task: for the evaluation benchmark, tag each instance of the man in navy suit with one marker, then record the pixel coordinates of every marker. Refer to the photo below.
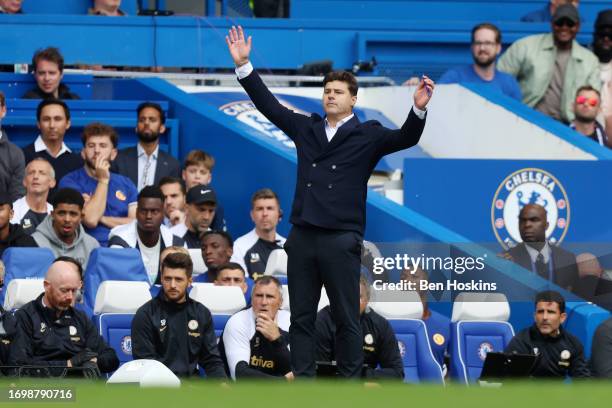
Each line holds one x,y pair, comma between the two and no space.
537,255
336,156
145,164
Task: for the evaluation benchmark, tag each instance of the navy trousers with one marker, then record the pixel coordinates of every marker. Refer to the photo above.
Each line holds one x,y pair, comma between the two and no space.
331,258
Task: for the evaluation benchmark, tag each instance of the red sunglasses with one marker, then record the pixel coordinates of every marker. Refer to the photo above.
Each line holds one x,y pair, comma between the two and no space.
583,99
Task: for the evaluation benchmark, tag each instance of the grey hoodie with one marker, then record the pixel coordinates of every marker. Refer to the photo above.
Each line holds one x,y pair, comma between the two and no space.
80,249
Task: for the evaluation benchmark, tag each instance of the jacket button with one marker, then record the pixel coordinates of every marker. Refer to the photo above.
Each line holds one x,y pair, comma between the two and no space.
309,185
329,186
314,164
333,167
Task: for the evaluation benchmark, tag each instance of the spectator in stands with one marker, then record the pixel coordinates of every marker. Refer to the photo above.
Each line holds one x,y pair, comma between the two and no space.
545,14
601,350
11,235
486,46
381,354
10,6
200,211
146,233
216,251
560,354
174,192
174,329
256,340
438,325
551,67
106,8
197,170
53,120
587,106
231,274
602,47
537,255
146,164
253,249
48,66
12,161
31,209
51,332
62,231
110,198
590,274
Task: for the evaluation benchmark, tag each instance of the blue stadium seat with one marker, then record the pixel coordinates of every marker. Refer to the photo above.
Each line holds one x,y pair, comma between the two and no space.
24,263
123,264
116,329
420,365
478,326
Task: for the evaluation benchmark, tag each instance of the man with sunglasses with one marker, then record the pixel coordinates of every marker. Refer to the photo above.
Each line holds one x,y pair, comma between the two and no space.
587,106
602,47
550,67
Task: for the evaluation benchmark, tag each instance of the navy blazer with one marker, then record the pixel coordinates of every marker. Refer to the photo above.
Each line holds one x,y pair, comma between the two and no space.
565,270
126,163
332,177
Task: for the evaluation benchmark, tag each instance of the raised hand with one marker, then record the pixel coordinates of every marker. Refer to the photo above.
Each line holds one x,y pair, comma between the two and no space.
239,48
102,169
266,326
423,93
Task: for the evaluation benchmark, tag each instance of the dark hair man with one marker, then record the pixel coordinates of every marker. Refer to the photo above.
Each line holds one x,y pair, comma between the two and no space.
110,198
336,155
199,214
146,164
62,231
537,255
174,192
560,354
31,209
253,249
173,328
51,332
486,47
11,235
255,340
231,274
380,351
587,107
48,71
146,233
12,161
216,251
53,120
10,6
550,67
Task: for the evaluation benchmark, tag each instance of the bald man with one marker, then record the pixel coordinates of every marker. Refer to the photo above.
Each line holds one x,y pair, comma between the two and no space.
52,334
537,255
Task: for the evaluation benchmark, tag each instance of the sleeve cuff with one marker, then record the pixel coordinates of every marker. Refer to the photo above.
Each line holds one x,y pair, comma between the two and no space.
420,113
245,70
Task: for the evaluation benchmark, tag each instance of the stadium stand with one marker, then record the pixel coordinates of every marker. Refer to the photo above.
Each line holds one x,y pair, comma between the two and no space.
222,301
25,263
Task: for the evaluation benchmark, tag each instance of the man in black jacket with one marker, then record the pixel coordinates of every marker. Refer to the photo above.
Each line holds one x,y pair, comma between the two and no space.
536,254
380,350
559,353
11,235
48,71
52,333
336,156
175,329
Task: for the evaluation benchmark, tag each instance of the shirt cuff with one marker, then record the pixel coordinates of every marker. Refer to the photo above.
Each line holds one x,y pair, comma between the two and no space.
244,71
420,113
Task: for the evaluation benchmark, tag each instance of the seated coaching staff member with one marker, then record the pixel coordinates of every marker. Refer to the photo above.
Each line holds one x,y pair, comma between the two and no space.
175,329
50,332
336,156
559,353
380,350
255,340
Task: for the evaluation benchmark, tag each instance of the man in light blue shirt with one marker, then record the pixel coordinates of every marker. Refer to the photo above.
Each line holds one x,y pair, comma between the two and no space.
486,46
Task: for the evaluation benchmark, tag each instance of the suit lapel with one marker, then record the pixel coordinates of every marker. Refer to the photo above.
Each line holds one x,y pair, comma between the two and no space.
160,167
319,130
342,133
133,166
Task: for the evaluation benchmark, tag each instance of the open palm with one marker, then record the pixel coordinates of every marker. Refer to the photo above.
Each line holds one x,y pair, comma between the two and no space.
239,48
